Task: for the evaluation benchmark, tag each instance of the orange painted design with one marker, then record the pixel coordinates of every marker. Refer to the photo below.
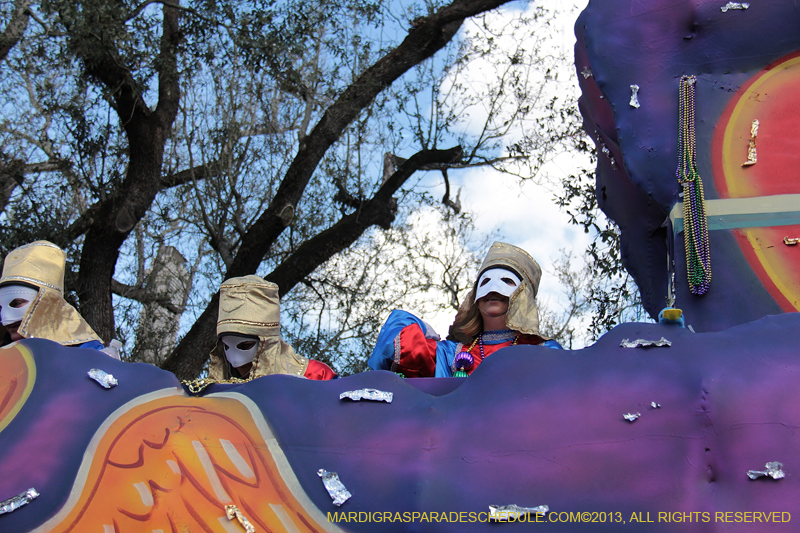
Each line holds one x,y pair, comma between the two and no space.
17,376
770,96
173,463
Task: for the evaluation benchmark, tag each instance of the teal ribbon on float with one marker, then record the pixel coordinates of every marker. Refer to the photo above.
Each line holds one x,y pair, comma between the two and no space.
754,212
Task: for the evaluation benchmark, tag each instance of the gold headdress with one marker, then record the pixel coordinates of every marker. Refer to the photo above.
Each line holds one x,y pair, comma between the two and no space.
250,306
522,315
41,264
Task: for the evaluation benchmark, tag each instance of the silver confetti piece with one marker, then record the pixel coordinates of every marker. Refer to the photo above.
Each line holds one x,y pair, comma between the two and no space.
586,72
634,96
338,493
774,470
734,5
605,150
655,405
630,417
644,343
12,504
503,513
103,378
367,394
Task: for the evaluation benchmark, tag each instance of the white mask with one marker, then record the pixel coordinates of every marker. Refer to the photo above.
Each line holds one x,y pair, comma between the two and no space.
9,293
499,280
236,356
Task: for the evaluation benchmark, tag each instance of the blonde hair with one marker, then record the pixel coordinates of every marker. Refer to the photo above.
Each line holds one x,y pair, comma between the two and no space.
522,315
468,323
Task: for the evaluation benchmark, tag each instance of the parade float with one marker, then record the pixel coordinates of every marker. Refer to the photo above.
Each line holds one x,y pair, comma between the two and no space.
656,427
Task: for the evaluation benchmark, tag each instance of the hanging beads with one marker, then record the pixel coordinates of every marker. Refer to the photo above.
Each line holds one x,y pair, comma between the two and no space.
695,228
464,360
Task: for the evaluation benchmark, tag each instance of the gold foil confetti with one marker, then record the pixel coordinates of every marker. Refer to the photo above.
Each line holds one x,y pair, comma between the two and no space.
231,511
751,148
198,385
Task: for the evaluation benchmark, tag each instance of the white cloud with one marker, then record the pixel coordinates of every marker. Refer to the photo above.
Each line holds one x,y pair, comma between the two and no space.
524,213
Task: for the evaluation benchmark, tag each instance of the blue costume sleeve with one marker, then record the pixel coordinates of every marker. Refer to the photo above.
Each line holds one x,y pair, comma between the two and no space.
445,354
409,342
383,354
407,345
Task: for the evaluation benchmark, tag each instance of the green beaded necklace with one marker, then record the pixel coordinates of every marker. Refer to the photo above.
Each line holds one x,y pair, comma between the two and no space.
695,228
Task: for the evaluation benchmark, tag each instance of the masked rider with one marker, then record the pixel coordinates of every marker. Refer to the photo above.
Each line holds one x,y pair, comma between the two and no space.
32,304
248,329
499,311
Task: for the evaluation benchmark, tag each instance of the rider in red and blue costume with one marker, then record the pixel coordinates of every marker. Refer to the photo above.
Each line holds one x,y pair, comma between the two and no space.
498,312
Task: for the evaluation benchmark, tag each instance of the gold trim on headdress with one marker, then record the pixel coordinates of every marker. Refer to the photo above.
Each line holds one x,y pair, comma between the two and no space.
523,314
250,305
504,254
42,263
39,263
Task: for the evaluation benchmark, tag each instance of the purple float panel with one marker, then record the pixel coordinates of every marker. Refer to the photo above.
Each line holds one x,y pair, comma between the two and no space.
744,61
532,426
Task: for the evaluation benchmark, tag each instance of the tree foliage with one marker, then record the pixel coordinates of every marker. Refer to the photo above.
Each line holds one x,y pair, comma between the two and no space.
600,290
285,139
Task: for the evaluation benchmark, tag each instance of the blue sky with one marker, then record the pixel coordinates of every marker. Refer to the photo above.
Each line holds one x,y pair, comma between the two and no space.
525,213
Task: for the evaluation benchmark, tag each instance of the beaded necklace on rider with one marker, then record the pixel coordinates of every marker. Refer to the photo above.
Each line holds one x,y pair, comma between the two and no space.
695,228
197,386
464,359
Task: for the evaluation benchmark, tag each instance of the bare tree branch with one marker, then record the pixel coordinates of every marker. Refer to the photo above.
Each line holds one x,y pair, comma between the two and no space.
428,35
144,296
15,27
379,210
454,205
147,132
12,174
